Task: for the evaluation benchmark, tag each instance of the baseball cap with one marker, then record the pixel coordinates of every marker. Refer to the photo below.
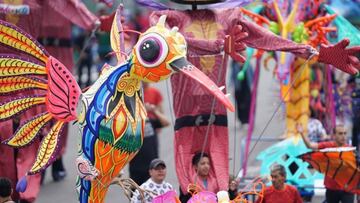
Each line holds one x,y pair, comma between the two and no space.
156,162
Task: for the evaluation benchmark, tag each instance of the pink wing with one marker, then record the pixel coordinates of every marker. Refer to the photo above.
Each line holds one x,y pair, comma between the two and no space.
63,92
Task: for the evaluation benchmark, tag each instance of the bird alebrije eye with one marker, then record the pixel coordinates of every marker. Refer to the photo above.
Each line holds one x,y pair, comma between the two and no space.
151,50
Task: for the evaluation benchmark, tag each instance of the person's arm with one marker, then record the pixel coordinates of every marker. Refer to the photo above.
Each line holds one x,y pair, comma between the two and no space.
298,198
308,143
261,38
338,55
261,199
324,136
162,118
157,111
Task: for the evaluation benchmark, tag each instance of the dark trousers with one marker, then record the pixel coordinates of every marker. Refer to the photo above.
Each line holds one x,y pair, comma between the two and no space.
184,198
337,196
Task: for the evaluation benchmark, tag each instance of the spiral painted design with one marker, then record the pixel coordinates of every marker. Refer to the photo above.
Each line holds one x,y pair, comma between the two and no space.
129,86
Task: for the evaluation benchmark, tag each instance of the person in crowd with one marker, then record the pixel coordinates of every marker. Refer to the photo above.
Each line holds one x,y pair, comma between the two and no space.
242,91
354,82
203,177
150,149
279,191
233,187
334,192
316,130
5,190
155,185
87,57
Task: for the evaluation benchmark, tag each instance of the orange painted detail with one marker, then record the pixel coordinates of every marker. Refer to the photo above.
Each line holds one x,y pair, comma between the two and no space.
109,161
120,123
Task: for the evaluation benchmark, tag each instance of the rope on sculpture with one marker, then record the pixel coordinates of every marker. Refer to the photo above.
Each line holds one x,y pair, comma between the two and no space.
251,115
235,135
281,102
172,114
223,66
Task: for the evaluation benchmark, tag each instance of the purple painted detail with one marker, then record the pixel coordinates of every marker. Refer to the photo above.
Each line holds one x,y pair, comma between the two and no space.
38,79
152,4
160,53
283,72
251,115
21,9
63,91
227,4
21,184
203,197
25,34
169,197
230,4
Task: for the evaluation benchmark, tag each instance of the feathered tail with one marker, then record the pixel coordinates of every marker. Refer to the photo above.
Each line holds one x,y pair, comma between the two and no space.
61,93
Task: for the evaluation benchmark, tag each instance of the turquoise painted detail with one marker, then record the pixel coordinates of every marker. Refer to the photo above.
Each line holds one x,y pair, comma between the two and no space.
286,153
130,142
344,28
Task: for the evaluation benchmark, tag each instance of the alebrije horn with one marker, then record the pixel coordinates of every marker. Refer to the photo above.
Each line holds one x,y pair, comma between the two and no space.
161,21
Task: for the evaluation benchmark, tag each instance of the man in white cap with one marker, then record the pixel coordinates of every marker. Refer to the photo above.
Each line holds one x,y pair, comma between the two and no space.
155,185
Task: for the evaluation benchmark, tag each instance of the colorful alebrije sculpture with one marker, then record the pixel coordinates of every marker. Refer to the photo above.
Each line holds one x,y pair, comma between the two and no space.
303,22
338,163
110,113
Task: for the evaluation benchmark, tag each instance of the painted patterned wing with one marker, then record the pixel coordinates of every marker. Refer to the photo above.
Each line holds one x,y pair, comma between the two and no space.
337,163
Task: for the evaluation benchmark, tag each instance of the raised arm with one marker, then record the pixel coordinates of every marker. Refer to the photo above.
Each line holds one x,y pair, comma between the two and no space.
158,113
308,143
261,38
337,55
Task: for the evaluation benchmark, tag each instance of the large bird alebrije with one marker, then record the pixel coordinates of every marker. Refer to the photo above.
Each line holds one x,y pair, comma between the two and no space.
110,113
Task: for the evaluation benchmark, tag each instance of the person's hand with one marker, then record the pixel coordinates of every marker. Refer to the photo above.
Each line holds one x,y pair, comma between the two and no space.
340,57
233,45
193,189
150,107
324,137
299,128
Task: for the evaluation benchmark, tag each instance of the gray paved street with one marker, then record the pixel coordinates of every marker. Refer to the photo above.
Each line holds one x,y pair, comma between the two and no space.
267,100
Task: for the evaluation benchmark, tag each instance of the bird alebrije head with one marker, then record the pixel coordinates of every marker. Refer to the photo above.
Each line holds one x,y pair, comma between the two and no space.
160,52
155,50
